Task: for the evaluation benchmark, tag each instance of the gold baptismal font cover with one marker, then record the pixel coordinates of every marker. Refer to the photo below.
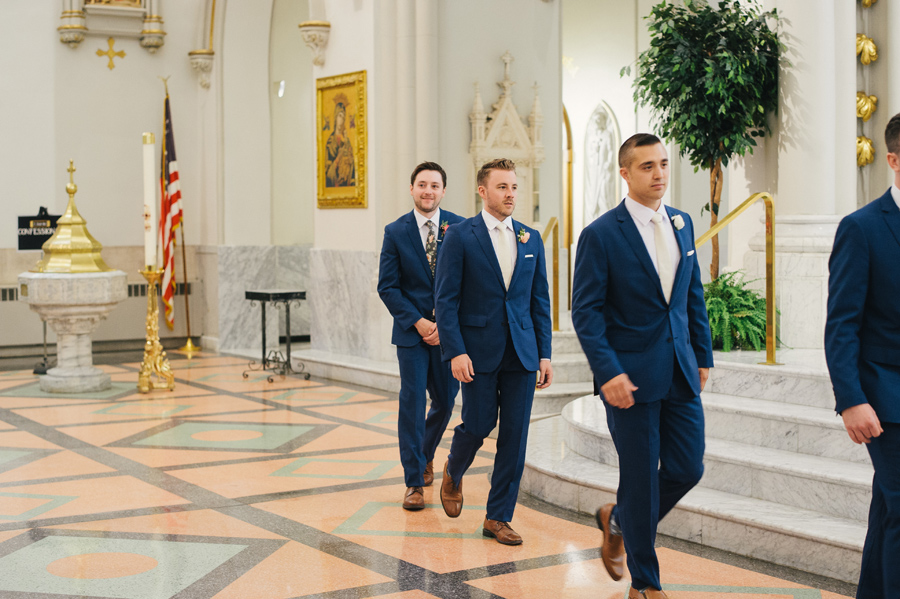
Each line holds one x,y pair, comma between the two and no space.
71,249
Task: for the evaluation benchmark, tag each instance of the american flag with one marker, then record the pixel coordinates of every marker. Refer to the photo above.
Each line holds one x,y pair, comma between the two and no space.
170,216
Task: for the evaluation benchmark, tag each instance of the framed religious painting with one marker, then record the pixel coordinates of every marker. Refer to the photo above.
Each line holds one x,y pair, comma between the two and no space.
341,141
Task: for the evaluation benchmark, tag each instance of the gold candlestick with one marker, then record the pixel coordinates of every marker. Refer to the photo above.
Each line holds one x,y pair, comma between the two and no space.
155,370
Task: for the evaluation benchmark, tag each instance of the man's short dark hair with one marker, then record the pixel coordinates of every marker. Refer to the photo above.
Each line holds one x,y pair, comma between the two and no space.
635,141
428,166
501,164
892,135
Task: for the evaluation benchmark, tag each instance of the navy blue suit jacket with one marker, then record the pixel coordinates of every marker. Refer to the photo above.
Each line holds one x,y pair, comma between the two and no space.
472,303
405,283
862,333
620,313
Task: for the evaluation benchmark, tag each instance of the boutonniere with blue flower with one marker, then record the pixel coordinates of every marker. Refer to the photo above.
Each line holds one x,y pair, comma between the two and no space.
523,236
678,222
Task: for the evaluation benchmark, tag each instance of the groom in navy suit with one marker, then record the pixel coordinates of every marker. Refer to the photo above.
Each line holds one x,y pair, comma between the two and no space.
493,314
406,286
862,348
638,310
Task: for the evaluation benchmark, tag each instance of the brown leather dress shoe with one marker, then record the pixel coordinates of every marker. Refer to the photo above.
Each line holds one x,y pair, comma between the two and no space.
413,500
451,495
648,593
501,531
613,551
429,473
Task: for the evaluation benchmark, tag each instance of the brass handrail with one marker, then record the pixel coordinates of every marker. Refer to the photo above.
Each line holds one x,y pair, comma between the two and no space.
553,227
770,262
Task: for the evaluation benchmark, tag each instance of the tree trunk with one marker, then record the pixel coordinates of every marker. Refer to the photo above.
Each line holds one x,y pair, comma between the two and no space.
715,196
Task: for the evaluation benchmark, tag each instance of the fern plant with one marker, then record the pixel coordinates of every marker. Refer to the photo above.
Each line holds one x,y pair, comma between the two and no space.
737,315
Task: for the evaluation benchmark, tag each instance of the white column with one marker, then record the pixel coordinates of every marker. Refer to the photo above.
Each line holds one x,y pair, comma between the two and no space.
426,81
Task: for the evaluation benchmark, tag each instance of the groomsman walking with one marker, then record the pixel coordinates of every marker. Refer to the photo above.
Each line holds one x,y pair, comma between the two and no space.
493,315
862,348
406,274
638,310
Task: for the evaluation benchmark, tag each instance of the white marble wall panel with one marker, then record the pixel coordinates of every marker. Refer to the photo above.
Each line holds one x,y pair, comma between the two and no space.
292,272
241,268
347,316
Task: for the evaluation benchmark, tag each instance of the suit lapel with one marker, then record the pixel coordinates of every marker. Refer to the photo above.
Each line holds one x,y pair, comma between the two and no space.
412,228
891,214
484,239
679,238
633,237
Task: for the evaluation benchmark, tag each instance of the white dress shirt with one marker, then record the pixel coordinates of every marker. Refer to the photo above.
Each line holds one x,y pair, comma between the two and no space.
506,228
423,228
895,193
642,219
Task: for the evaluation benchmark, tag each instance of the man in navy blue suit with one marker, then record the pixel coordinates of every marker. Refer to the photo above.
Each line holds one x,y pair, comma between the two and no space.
862,347
406,285
638,310
493,314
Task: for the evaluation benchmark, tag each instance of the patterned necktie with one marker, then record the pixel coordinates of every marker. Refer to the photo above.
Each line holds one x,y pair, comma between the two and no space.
431,246
663,258
503,255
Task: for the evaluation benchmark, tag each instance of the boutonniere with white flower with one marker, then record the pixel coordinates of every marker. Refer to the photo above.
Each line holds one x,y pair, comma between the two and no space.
523,236
678,222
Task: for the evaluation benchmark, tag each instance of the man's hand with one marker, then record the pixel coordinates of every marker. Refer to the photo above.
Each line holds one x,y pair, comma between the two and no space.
546,375
704,376
461,367
618,391
861,423
428,331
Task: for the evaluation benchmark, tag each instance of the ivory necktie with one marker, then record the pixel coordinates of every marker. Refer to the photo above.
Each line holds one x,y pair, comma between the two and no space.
431,246
663,259
503,255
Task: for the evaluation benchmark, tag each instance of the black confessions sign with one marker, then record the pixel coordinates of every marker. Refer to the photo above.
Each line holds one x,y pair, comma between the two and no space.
35,230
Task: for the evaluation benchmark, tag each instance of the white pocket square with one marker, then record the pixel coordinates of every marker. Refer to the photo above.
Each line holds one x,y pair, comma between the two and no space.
690,253
529,255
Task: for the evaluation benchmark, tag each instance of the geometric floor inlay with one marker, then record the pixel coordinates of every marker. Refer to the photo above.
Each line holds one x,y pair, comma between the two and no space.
147,569
221,435
355,524
26,506
364,469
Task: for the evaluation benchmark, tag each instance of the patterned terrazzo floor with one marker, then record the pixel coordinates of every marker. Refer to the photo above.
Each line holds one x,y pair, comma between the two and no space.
229,488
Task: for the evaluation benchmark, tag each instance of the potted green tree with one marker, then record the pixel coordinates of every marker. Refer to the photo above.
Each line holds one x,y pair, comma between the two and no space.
710,79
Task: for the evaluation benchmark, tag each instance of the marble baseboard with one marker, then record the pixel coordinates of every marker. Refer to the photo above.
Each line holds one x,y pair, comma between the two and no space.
782,534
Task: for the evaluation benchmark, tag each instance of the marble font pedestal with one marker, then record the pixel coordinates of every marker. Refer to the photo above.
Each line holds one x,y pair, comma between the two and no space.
73,305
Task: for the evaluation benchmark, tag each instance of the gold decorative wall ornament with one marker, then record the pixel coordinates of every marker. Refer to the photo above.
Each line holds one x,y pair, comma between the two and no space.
111,53
202,59
865,106
868,3
865,151
71,249
866,49
315,35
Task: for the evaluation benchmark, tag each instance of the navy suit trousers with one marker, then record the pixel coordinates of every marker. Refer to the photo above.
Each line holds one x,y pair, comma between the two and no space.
421,369
660,446
880,574
509,389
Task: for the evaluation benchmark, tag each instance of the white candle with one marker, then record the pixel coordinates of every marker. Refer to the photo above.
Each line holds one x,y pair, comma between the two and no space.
150,212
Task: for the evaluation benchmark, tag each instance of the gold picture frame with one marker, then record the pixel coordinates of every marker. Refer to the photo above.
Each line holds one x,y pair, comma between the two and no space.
341,141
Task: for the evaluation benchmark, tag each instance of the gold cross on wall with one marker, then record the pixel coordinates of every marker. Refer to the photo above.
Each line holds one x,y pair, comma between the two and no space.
111,53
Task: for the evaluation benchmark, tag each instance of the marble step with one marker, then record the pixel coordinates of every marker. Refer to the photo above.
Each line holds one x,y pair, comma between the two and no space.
571,368
385,376
790,427
782,534
826,485
789,383
566,342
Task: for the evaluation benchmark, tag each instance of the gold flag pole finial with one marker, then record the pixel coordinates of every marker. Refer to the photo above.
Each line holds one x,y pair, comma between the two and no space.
165,81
